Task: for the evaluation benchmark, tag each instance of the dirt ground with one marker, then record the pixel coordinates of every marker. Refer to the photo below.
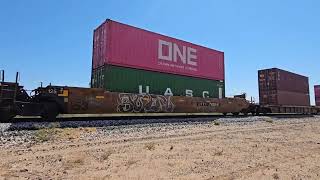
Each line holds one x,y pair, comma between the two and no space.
261,150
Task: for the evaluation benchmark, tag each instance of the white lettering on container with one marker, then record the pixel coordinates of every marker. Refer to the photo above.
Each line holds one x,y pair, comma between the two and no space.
192,55
220,93
205,94
177,52
189,93
141,91
186,55
163,44
168,92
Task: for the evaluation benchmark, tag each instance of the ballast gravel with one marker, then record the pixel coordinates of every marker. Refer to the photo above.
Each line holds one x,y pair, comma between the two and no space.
25,133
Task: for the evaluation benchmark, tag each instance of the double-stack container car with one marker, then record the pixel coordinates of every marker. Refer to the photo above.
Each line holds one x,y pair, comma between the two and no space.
138,71
317,94
280,87
132,60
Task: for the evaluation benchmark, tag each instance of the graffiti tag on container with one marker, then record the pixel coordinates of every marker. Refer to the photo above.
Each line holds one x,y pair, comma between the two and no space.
144,103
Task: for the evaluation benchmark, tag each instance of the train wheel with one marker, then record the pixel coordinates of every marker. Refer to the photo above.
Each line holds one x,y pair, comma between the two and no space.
49,111
225,114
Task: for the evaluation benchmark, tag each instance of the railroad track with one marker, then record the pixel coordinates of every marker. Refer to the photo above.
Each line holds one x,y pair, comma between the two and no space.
30,123
127,116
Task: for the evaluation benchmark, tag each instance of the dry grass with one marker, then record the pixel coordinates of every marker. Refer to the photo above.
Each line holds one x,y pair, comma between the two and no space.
88,130
275,176
74,163
69,133
150,146
218,153
216,123
131,162
105,156
269,120
47,134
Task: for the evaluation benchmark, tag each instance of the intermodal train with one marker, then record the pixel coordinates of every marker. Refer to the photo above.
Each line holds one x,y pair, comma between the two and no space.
50,101
139,71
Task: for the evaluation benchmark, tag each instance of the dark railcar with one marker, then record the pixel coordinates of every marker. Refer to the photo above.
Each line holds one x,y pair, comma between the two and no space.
281,80
98,101
279,87
317,94
50,101
284,98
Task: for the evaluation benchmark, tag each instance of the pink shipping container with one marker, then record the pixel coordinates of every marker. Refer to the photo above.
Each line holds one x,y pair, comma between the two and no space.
123,45
317,94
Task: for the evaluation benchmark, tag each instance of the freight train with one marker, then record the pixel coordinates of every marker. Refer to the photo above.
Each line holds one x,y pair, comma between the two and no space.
50,101
138,71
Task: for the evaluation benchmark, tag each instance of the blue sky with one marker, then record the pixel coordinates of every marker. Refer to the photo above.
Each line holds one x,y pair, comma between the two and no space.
51,41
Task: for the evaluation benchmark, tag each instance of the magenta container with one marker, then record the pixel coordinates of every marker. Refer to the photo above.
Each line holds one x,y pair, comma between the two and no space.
127,46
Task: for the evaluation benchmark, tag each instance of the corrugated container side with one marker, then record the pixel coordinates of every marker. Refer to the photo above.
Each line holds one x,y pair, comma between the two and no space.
129,80
268,97
288,81
317,94
284,98
293,98
97,78
277,79
267,80
99,53
132,47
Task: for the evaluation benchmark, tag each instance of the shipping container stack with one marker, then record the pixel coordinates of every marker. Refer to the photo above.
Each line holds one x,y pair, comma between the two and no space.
280,87
317,94
132,60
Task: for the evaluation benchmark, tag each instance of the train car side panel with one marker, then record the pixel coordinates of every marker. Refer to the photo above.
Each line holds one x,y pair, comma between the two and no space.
98,101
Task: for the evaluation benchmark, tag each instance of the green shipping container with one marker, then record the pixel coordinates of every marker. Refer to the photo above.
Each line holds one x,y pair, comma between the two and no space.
129,80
